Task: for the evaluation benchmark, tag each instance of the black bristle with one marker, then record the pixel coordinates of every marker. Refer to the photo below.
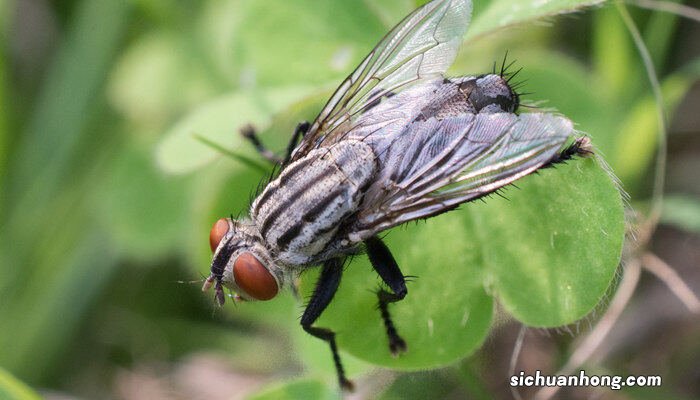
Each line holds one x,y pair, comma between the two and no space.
580,147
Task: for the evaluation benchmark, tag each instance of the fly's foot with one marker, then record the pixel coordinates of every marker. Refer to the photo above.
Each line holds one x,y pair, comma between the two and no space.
397,345
249,133
347,385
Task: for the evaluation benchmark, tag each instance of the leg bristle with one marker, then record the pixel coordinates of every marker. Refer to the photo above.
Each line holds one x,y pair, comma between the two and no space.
580,147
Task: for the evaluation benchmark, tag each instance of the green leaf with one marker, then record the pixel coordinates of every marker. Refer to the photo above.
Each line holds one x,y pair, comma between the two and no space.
424,385
552,249
320,40
548,255
13,389
446,314
219,121
302,389
143,210
683,212
637,135
491,16
659,35
155,78
546,72
613,55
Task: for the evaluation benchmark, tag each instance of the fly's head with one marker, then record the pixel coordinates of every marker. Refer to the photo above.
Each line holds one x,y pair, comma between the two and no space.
490,93
241,262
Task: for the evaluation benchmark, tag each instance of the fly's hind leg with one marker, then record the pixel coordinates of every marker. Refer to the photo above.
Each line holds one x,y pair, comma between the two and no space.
326,286
385,265
249,133
580,147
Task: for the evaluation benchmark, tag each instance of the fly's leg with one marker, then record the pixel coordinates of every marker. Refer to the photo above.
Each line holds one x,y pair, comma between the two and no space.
325,289
580,147
385,265
299,132
249,133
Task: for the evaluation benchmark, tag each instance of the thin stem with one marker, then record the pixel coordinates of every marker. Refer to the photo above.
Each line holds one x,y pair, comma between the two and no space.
660,170
670,7
670,277
514,359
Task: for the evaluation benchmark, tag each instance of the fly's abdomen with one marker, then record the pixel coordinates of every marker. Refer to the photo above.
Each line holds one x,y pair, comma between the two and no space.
298,213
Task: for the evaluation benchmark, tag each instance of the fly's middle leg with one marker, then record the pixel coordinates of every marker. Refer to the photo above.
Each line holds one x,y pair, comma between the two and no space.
385,265
250,133
326,286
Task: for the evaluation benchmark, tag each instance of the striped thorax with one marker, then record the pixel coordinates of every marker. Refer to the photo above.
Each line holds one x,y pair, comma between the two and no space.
301,212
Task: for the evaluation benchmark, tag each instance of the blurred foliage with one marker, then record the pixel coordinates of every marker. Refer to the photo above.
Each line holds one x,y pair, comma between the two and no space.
297,390
11,388
107,194
682,211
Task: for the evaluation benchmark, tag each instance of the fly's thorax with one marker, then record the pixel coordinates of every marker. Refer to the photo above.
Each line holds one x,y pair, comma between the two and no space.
242,263
299,214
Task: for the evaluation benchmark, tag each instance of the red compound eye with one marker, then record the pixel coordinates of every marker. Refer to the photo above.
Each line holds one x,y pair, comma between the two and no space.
217,232
254,278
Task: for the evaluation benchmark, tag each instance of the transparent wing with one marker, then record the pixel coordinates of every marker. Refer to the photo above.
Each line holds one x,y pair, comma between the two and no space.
442,163
422,46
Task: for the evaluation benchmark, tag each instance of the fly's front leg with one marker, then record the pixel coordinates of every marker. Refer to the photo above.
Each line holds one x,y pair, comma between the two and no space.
299,132
326,286
385,265
249,133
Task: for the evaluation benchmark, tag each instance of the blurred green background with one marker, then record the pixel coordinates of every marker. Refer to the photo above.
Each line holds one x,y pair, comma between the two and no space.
106,196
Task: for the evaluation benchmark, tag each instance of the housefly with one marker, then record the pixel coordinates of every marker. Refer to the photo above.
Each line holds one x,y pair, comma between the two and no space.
397,141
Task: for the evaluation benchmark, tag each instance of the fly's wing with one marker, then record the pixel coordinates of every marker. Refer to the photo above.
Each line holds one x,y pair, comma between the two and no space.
441,163
420,47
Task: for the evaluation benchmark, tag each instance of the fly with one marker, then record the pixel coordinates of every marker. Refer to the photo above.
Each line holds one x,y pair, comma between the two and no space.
397,141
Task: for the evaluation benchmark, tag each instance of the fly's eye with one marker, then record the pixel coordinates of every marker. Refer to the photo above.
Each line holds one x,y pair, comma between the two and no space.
217,232
254,278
